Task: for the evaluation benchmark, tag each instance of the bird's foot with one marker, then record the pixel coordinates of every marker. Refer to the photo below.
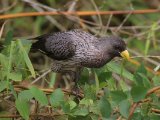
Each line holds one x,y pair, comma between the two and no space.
77,91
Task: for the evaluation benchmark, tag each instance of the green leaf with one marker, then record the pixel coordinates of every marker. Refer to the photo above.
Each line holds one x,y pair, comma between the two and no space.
94,117
140,76
3,61
90,92
154,116
13,90
142,69
146,81
52,80
81,112
78,118
156,80
124,108
66,107
84,76
26,58
116,68
9,67
150,37
72,104
15,76
137,116
138,93
104,107
23,108
138,79
39,95
25,95
94,108
3,85
57,97
9,37
142,80
103,76
97,82
86,102
118,96
145,108
61,117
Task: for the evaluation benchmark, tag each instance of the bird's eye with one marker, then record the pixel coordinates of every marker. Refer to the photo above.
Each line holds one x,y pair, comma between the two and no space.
116,47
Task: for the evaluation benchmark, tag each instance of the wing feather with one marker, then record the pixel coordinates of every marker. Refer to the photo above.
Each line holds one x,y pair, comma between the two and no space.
59,46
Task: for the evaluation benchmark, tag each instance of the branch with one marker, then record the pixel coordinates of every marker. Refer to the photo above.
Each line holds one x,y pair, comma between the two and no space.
134,105
41,76
155,110
49,90
31,115
153,90
79,13
135,62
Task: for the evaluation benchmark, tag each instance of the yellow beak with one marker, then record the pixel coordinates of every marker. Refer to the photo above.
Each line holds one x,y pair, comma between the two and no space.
125,54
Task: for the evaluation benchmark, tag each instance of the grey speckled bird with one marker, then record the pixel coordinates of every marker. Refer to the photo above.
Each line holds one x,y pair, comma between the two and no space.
75,49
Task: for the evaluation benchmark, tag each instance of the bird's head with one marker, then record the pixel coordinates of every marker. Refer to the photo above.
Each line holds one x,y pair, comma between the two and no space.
116,47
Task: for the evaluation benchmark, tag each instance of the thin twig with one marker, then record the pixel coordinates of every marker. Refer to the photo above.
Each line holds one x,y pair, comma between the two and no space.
72,6
9,7
108,23
79,13
40,5
32,115
41,76
119,118
49,90
153,90
97,10
146,58
2,28
126,18
133,107
97,26
135,62
155,110
37,6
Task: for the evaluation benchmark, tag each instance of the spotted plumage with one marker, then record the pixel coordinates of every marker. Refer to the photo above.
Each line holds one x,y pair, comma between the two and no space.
75,49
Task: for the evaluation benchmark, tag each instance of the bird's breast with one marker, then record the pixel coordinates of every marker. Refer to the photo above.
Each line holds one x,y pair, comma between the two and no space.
92,59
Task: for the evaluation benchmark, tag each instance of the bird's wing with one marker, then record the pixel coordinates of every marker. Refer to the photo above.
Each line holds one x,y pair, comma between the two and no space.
59,46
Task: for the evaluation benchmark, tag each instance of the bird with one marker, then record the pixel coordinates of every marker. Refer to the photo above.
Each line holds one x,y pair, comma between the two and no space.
75,49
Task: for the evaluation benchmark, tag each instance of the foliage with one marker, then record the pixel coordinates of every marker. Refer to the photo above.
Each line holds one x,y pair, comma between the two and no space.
109,93
89,107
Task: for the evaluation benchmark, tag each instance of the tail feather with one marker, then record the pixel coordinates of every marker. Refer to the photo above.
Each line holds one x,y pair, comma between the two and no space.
38,44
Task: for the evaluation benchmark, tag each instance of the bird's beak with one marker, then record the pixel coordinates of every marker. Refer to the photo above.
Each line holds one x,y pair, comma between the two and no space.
125,54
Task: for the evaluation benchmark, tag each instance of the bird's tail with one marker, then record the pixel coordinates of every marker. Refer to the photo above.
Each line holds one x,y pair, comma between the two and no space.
38,44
